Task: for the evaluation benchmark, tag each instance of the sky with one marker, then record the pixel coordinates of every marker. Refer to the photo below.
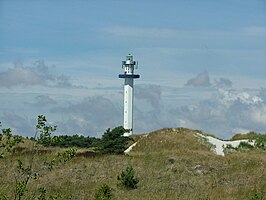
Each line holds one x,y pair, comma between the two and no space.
202,64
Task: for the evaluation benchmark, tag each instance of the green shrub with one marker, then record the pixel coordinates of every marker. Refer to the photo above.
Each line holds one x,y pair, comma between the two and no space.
66,155
229,149
113,141
103,193
250,135
128,179
8,141
245,145
260,141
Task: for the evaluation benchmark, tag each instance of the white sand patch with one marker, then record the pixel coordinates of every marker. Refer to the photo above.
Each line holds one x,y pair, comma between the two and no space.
219,145
130,148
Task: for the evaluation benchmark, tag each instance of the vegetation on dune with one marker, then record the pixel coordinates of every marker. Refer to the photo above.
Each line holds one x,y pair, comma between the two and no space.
65,141
259,141
25,171
250,135
169,164
111,142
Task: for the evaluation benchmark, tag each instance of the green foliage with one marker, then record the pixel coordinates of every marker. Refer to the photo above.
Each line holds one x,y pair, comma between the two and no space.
8,141
61,158
45,131
229,149
245,145
104,192
255,195
20,189
113,141
127,178
75,141
42,195
250,135
66,156
42,192
25,174
22,178
260,141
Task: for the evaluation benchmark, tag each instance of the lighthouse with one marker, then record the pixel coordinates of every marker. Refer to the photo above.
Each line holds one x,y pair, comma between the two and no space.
129,65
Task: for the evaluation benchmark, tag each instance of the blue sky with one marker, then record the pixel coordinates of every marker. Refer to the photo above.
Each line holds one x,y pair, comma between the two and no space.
202,64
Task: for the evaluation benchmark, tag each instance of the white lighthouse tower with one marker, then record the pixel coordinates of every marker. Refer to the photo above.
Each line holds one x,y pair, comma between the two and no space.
129,77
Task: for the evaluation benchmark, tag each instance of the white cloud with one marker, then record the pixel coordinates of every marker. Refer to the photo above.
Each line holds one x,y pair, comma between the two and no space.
18,124
20,75
38,74
92,115
201,80
151,93
229,96
258,115
44,100
220,111
223,83
224,113
240,130
262,94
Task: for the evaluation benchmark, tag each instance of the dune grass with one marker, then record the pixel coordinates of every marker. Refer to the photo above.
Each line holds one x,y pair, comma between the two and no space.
170,164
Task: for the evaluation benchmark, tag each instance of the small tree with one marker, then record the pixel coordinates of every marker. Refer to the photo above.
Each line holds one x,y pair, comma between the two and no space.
45,131
113,141
128,179
103,193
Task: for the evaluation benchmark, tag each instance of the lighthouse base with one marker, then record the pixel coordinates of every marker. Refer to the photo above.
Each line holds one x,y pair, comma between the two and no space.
128,133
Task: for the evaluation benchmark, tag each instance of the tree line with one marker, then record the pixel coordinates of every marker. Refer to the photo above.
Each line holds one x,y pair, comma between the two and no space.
112,140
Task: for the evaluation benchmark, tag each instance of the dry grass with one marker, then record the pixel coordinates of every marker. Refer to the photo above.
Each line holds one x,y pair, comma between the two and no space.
170,163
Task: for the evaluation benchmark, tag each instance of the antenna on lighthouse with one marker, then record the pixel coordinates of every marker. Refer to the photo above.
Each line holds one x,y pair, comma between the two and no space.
128,65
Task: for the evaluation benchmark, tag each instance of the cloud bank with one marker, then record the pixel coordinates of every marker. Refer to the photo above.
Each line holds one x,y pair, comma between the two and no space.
223,110
91,116
39,74
226,112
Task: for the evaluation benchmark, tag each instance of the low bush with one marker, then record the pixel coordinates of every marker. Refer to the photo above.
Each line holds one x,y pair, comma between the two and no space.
103,193
127,178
